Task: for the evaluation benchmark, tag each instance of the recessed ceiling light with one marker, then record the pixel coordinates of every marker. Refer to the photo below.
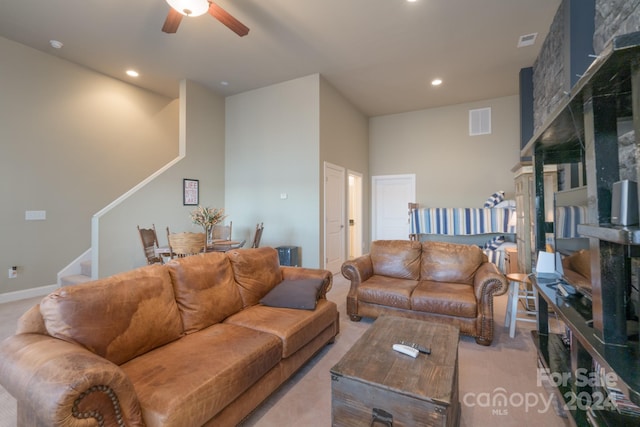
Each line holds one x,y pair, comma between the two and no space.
56,44
527,39
224,83
132,73
436,82
412,1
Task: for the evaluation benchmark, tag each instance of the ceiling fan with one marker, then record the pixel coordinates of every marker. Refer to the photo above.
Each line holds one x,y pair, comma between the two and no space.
180,8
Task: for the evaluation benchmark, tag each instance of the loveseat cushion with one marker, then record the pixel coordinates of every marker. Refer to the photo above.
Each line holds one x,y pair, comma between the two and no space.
449,299
577,269
118,317
579,262
396,258
294,327
189,381
450,262
205,290
256,271
387,291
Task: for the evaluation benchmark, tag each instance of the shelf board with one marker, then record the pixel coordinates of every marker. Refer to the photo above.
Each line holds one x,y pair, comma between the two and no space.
611,233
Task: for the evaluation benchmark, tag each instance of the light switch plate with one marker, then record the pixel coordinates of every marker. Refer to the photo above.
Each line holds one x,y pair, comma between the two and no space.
35,215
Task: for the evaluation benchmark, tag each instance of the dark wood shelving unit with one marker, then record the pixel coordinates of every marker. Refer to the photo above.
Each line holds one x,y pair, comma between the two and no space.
583,128
556,357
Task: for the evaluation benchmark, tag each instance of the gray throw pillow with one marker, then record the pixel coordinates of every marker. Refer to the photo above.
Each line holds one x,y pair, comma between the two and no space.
301,294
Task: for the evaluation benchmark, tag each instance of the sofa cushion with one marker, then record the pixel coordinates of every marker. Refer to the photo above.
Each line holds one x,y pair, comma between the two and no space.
387,291
189,381
449,299
205,290
119,317
295,328
301,294
450,262
396,258
256,271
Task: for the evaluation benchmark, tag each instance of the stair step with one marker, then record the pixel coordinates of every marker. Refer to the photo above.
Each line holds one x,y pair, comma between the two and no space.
74,279
85,268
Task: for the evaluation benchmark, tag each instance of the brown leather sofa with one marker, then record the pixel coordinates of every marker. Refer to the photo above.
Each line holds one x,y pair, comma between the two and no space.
182,344
434,281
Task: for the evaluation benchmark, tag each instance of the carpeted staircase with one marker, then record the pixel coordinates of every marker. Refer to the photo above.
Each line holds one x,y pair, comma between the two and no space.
74,279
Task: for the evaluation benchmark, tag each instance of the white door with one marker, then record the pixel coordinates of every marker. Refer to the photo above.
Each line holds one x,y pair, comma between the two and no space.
334,229
391,195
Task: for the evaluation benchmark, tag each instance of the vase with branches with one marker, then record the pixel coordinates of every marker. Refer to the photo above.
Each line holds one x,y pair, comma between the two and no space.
207,217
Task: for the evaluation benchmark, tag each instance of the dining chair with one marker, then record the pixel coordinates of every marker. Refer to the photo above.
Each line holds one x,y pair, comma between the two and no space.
258,235
221,231
186,243
149,240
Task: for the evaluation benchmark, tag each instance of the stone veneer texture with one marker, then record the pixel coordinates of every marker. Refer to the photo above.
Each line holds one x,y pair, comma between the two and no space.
612,18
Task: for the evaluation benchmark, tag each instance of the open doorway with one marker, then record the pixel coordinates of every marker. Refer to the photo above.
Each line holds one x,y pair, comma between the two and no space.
354,234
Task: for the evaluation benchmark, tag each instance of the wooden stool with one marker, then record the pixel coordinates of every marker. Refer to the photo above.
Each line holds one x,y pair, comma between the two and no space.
519,285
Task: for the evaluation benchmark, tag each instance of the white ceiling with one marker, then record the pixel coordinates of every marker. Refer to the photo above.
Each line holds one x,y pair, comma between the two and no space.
380,54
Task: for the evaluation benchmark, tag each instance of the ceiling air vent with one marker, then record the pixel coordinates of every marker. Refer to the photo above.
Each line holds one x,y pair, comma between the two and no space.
480,121
527,39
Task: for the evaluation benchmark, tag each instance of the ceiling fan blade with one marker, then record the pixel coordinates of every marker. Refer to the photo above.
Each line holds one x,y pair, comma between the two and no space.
172,22
232,23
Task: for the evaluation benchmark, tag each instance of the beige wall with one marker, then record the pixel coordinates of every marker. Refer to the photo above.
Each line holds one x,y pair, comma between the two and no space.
277,139
71,141
344,141
117,245
452,168
272,138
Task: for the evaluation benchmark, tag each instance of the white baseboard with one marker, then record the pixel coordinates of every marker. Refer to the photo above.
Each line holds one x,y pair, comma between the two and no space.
27,293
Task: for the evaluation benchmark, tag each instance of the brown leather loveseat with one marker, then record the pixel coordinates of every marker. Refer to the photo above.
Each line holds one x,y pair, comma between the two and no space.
577,270
184,344
434,281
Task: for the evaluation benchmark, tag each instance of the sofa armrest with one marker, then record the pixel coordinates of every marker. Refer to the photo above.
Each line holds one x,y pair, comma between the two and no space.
63,384
357,270
296,273
489,281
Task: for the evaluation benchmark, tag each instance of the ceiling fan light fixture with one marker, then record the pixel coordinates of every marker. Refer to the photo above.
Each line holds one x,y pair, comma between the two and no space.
190,7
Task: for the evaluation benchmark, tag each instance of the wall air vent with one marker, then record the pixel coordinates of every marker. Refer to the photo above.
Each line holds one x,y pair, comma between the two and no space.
527,39
480,121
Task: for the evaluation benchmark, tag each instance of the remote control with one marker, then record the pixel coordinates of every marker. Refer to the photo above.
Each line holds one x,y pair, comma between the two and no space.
409,351
420,348
566,290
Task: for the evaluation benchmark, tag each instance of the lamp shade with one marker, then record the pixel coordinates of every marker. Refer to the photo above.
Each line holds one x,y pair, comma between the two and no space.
190,7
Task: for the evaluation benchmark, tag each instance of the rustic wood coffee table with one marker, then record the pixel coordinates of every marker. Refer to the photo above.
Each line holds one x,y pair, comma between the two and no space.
375,385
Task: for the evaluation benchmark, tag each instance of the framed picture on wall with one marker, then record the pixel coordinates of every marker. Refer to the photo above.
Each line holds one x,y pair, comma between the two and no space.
190,192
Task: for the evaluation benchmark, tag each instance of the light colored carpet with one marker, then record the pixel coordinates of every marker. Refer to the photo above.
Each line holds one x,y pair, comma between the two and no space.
506,368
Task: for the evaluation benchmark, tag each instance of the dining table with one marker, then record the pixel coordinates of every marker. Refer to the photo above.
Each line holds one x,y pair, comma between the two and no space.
216,245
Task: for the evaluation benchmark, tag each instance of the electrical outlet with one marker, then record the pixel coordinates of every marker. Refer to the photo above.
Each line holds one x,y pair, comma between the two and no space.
13,272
